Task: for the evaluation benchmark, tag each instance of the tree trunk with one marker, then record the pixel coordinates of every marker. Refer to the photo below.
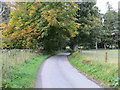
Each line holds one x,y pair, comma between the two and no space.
96,45
105,46
118,44
2,10
75,48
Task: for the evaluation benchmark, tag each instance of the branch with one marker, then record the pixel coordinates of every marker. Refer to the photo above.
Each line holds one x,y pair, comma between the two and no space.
2,11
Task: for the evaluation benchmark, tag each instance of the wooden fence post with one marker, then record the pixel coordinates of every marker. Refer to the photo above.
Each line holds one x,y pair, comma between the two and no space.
95,56
80,50
106,56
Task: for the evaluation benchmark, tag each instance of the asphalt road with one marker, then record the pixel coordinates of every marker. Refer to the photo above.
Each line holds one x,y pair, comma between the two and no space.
57,72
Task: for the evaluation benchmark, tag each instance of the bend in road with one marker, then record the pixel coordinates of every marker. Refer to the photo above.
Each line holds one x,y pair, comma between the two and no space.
57,72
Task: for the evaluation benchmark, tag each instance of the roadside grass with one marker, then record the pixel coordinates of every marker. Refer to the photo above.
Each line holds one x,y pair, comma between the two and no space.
24,75
106,74
112,55
13,57
16,65
16,56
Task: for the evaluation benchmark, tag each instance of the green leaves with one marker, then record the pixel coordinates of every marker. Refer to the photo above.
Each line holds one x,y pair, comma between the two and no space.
88,17
34,24
110,26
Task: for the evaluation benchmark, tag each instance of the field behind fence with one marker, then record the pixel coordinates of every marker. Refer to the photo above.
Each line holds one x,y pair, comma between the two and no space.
110,56
9,58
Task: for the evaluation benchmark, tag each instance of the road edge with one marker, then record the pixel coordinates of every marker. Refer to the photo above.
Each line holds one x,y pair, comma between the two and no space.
85,74
40,70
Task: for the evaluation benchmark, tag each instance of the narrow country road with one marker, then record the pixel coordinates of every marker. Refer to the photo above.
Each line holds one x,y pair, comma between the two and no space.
57,72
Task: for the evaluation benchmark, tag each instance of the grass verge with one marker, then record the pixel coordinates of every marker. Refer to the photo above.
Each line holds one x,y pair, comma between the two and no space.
104,73
24,75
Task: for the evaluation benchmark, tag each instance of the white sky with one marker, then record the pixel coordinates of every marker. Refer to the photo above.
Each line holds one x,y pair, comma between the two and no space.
102,4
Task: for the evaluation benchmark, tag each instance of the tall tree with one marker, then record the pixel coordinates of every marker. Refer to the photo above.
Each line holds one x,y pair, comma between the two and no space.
109,6
110,28
119,27
89,17
34,24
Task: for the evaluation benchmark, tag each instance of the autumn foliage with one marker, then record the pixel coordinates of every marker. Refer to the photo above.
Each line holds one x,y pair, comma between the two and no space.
46,25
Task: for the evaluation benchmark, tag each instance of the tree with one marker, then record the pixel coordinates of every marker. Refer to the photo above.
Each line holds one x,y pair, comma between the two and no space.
46,25
109,6
2,8
119,28
110,28
89,17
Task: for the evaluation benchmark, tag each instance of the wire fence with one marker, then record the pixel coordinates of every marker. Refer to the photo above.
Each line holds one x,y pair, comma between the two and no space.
110,56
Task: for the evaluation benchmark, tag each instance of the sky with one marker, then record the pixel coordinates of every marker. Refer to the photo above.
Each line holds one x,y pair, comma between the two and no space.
100,3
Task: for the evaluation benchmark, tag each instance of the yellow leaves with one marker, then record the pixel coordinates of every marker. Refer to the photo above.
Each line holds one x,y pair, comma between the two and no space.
77,25
4,33
34,29
22,31
3,25
68,39
75,19
4,41
17,27
33,6
73,4
72,34
32,24
44,13
54,20
48,12
76,32
51,11
31,12
28,35
18,34
38,4
51,20
26,23
28,43
10,24
14,35
48,18
29,30
39,37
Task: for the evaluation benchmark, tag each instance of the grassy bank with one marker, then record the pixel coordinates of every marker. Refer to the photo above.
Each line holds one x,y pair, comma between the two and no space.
12,58
104,73
112,55
24,75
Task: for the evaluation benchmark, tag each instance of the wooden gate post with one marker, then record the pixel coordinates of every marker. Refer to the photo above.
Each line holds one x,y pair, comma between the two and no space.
106,56
95,56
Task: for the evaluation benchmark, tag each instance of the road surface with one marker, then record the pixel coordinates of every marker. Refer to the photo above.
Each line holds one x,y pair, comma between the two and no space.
57,72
